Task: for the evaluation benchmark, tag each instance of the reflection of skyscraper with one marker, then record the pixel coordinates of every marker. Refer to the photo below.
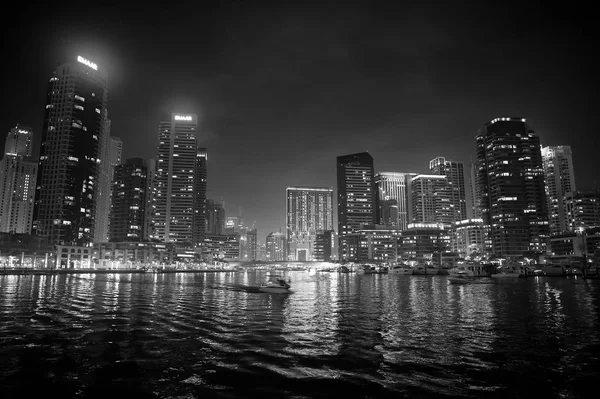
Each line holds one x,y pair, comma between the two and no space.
18,172
395,186
455,176
129,202
308,210
356,199
175,196
511,186
560,180
74,122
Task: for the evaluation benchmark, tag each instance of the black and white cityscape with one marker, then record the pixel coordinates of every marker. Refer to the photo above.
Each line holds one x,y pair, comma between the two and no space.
299,201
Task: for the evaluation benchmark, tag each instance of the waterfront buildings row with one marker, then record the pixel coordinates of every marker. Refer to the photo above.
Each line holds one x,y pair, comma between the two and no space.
80,192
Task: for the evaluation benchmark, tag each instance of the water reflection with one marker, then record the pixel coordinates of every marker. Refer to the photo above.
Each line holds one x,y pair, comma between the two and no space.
208,334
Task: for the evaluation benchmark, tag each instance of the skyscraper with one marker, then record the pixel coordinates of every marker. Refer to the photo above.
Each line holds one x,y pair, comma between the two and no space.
276,246
511,190
200,208
395,186
215,217
111,149
18,172
308,210
455,176
175,196
430,200
357,199
129,201
66,189
560,180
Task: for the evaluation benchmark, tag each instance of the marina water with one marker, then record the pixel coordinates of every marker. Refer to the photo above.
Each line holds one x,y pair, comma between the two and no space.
212,335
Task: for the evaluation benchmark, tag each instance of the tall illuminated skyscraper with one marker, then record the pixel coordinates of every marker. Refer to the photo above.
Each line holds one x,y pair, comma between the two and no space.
357,200
560,180
455,176
67,182
175,193
395,186
111,149
430,200
200,208
308,211
18,172
511,189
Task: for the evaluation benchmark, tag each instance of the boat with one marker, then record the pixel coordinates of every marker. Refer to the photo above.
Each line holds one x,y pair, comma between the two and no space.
460,271
401,269
460,278
424,269
275,285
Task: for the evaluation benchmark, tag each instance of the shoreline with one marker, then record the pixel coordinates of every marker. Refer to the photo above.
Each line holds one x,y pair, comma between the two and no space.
44,272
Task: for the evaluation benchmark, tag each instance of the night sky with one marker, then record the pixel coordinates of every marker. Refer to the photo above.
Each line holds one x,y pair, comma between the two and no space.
282,90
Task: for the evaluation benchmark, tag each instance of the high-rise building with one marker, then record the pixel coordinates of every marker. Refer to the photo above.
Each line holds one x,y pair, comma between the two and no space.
511,189
67,182
252,245
111,149
18,172
308,210
200,209
215,217
455,176
582,210
430,200
175,195
470,238
560,180
395,186
276,246
129,202
388,213
473,210
150,233
357,199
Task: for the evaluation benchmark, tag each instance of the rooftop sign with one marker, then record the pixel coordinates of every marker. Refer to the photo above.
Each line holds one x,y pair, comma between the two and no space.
87,62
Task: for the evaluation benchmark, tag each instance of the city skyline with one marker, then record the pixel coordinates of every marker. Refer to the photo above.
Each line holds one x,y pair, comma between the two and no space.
358,85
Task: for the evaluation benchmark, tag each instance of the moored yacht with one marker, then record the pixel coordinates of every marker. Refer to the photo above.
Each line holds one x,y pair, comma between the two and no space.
401,269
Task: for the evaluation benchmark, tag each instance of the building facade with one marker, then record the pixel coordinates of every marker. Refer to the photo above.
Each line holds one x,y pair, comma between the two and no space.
511,187
430,200
582,210
18,172
67,181
395,186
276,246
129,202
175,196
560,180
457,186
308,211
200,210
357,200
111,149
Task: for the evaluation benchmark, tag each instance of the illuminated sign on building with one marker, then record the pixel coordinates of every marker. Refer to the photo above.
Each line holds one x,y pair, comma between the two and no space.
183,117
87,62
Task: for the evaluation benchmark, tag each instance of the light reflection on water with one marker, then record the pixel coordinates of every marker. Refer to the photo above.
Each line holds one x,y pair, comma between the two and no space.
213,334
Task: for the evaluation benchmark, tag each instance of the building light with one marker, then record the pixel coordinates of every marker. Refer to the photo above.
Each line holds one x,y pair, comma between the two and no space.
87,62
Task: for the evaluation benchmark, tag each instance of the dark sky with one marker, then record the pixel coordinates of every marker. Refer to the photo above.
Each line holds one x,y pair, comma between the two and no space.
282,89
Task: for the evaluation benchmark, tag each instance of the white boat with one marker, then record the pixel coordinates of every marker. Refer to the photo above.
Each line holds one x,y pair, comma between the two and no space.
460,279
460,271
275,285
401,269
